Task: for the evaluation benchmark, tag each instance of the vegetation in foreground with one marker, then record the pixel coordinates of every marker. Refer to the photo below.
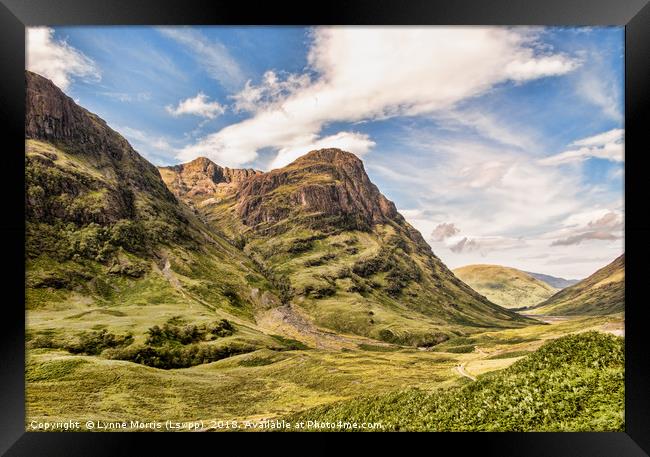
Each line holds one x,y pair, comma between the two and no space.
575,383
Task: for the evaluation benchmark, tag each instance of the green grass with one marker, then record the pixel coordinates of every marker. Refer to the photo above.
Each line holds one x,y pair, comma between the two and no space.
509,355
575,383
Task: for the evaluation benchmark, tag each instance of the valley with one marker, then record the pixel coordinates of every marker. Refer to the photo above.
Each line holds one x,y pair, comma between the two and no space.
201,292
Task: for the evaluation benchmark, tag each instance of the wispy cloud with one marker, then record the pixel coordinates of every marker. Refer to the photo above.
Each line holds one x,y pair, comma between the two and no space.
367,73
601,225
56,59
209,54
156,148
607,145
127,97
198,105
597,84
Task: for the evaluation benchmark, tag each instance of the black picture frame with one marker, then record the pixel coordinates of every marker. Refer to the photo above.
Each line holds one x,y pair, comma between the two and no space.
15,15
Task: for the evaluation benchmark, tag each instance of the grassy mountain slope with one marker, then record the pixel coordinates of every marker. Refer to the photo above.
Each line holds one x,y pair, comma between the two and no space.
344,255
108,247
601,293
508,287
575,383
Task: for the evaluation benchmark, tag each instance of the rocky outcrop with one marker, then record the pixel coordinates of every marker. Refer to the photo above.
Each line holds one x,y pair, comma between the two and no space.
53,117
326,182
201,176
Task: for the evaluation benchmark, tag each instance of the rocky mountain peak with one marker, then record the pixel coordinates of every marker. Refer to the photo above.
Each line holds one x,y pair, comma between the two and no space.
54,118
202,176
325,182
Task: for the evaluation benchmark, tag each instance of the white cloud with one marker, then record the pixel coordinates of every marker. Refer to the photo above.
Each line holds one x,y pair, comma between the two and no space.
607,145
56,59
488,126
212,55
601,224
597,84
378,72
155,148
128,98
270,92
484,245
354,142
197,106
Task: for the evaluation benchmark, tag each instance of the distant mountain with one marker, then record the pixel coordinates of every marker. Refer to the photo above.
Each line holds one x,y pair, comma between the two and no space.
601,293
558,283
507,287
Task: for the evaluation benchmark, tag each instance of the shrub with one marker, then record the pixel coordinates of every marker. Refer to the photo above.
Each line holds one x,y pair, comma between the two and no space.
169,357
300,246
289,344
93,343
171,333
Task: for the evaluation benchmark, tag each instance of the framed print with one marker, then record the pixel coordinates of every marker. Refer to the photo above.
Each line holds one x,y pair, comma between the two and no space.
426,217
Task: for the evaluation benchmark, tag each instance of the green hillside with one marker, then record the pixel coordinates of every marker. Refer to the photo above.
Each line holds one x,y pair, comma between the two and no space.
601,293
575,383
349,261
508,287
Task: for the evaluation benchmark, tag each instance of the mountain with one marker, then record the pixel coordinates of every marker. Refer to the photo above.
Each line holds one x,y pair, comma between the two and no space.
601,293
191,263
508,287
108,246
340,249
557,283
202,177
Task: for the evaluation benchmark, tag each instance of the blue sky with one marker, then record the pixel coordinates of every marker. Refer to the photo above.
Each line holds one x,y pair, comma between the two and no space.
501,145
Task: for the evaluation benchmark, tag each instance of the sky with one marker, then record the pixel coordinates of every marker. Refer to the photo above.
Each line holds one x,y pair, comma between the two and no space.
502,145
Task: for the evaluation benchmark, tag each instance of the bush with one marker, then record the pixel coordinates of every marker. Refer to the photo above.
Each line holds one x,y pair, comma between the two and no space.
169,357
320,260
171,333
300,246
93,343
289,344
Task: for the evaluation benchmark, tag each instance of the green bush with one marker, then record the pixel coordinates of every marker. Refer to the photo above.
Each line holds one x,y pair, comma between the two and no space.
289,344
93,343
172,333
170,356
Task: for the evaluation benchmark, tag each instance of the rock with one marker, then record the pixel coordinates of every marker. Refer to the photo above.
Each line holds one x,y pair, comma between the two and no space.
326,182
201,176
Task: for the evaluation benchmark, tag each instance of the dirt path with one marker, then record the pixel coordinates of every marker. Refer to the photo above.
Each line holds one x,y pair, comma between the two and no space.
461,370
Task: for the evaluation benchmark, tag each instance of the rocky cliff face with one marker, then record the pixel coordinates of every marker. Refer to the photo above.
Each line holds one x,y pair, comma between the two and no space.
202,177
78,170
53,117
326,182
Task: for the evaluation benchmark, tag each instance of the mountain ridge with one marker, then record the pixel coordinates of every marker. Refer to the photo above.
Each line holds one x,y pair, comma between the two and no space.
553,281
602,292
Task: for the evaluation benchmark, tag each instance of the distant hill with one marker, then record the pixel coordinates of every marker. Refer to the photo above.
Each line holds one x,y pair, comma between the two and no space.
558,283
601,293
508,287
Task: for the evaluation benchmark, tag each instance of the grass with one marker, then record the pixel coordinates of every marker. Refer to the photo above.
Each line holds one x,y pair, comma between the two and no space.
264,383
575,383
